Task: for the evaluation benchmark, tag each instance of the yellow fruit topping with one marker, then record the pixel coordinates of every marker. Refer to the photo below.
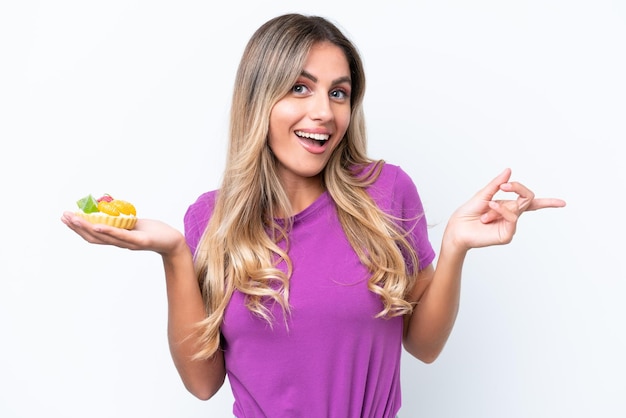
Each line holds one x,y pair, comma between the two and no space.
124,207
108,207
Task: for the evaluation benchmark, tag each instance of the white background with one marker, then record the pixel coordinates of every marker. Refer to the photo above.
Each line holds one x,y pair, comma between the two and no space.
131,98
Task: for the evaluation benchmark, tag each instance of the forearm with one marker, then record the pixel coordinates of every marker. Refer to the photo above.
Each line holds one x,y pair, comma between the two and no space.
433,318
202,378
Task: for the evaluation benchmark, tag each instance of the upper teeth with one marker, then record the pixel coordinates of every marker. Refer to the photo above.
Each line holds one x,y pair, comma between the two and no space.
317,137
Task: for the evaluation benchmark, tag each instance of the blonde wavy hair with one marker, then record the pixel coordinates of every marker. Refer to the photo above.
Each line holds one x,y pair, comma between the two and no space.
239,248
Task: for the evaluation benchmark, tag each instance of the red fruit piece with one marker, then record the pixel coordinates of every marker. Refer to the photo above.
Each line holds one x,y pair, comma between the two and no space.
105,198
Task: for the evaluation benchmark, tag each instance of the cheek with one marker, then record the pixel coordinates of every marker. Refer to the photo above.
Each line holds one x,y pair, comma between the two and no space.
283,116
343,121
281,121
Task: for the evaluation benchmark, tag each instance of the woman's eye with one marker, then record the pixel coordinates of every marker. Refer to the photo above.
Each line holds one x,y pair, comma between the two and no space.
299,89
339,94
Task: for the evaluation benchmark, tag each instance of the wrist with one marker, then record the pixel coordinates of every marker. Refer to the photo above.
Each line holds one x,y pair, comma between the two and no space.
452,245
179,250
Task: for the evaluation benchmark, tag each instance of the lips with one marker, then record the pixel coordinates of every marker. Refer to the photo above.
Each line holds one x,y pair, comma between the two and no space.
313,142
320,138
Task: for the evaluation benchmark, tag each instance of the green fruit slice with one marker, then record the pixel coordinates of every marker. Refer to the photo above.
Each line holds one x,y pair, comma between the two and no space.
88,204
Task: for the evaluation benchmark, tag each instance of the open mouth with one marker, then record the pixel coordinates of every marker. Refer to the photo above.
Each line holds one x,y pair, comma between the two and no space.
318,139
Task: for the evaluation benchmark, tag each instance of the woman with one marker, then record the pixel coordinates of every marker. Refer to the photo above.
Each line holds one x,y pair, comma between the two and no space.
303,276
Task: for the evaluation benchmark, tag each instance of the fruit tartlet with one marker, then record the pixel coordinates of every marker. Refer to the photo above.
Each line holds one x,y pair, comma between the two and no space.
107,210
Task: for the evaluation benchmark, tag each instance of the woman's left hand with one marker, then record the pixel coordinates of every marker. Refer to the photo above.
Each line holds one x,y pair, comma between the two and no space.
483,221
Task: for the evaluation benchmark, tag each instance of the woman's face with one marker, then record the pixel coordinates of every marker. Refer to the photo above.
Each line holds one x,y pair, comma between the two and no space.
307,124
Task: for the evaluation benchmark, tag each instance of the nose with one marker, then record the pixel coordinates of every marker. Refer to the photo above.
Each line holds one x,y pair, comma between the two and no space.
320,108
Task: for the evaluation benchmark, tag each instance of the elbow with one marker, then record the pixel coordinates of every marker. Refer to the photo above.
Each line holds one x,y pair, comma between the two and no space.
203,379
426,355
203,395
203,390
428,358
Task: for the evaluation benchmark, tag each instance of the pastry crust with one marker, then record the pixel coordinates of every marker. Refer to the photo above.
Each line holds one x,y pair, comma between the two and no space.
125,222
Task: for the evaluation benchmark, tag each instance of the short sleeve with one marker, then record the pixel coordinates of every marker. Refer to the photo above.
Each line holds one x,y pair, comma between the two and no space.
396,194
197,218
414,221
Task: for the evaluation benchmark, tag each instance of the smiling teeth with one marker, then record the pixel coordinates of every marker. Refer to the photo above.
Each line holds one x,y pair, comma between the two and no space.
317,137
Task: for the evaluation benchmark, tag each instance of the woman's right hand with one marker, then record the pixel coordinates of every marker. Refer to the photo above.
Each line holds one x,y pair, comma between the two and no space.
147,235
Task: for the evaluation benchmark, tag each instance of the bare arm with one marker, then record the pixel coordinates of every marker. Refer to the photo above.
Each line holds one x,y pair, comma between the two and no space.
478,223
437,294
185,306
203,378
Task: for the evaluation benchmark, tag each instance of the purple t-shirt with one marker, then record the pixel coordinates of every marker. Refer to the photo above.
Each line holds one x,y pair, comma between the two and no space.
333,358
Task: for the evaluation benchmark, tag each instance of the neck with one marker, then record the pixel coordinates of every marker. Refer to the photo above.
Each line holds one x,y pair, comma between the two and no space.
303,193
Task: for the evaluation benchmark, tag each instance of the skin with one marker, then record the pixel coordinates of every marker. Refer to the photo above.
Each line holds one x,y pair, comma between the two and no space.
315,105
319,103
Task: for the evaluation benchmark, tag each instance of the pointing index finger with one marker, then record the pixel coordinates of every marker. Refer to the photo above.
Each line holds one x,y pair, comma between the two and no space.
546,202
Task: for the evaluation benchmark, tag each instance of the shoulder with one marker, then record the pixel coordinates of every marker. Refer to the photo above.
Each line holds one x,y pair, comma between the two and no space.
392,187
393,176
204,201
202,207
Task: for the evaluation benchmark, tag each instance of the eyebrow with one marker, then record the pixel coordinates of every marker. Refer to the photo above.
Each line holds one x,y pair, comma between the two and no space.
340,80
